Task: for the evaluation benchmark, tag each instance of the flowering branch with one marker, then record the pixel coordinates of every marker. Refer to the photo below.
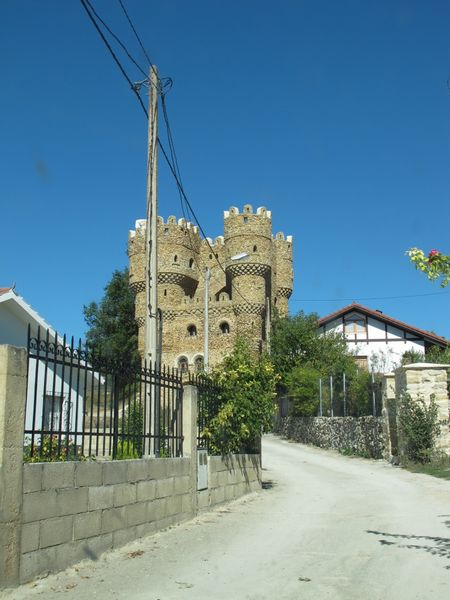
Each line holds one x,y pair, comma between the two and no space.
436,265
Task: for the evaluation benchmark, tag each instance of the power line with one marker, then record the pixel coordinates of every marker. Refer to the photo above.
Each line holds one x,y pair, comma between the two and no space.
369,297
172,167
136,33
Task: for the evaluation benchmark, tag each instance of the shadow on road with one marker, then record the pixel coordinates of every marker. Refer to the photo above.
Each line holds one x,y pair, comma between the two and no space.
268,484
440,546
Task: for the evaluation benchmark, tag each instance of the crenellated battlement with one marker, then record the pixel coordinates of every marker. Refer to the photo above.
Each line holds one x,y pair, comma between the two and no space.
261,211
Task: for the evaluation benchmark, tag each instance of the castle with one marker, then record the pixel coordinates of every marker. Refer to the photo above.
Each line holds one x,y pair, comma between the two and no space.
250,277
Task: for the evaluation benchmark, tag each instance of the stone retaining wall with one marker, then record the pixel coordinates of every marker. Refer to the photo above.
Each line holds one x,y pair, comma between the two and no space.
359,435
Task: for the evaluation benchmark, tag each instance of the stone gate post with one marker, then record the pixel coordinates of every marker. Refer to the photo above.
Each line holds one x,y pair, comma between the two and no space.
13,389
389,414
425,379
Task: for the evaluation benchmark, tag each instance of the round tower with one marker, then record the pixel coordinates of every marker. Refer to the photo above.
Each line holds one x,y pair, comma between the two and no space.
283,273
248,263
137,259
178,253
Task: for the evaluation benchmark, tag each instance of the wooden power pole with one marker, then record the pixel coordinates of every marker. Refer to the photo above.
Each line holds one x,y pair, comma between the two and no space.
151,320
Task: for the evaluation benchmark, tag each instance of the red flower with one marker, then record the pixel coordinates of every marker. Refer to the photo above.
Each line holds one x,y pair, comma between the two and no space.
433,253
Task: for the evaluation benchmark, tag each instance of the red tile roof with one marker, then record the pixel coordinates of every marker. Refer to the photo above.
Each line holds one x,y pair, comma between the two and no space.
4,290
432,337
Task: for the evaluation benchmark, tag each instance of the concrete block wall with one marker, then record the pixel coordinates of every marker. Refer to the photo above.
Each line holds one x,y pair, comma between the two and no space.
229,478
74,511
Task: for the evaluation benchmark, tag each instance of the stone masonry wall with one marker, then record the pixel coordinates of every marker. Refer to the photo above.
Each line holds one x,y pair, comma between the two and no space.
362,435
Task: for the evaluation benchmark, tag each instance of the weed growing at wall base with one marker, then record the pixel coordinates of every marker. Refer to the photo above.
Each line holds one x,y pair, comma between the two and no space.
419,427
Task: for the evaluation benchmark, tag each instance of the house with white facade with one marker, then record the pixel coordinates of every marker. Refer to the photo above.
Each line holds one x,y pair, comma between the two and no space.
55,399
377,340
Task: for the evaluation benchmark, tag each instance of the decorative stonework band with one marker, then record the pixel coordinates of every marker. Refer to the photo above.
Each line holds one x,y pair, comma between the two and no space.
137,286
248,269
176,278
249,308
140,321
284,292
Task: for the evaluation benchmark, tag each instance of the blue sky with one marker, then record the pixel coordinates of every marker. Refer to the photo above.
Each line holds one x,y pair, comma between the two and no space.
334,115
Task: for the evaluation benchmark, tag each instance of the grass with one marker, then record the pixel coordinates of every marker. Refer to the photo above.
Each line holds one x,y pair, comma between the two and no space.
437,467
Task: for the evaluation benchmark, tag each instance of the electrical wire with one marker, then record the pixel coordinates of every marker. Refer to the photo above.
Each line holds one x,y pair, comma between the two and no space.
173,167
369,297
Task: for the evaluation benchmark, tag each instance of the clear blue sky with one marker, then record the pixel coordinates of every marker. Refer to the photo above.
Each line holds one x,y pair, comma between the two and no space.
334,115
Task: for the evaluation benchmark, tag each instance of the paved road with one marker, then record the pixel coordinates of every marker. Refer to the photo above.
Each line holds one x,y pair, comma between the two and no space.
325,526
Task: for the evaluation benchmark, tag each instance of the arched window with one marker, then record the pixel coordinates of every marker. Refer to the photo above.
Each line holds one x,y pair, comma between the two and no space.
191,263
165,292
255,248
192,330
198,364
225,327
183,364
175,258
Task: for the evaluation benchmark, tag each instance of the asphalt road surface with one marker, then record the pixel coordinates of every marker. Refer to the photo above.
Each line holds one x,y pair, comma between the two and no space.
324,526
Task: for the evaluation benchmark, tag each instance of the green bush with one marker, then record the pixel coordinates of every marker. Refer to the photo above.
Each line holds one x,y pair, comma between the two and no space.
303,386
419,427
126,450
53,449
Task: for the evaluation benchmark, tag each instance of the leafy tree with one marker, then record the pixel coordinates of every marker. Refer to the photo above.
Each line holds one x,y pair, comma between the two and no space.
113,332
436,265
296,341
247,382
303,387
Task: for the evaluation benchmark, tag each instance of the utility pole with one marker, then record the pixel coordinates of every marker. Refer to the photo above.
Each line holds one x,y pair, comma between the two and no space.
206,321
151,320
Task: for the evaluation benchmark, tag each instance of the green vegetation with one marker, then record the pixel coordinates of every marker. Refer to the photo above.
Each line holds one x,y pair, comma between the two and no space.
435,265
247,389
302,355
418,428
53,450
113,332
438,466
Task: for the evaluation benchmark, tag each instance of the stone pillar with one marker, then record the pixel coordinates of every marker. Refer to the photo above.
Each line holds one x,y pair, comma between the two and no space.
424,380
389,414
13,390
190,419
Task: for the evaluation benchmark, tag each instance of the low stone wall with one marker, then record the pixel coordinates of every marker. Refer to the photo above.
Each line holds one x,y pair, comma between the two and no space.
229,478
360,435
73,511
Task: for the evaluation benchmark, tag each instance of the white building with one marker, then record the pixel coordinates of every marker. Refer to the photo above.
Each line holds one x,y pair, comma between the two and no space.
55,398
378,341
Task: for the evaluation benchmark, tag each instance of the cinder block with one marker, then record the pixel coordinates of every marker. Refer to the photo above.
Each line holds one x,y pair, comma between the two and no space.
123,536
158,468
229,493
156,509
137,470
69,554
39,505
136,514
39,562
58,475
87,525
94,547
182,484
213,479
100,497
32,478
186,504
56,531
115,472
225,478
124,493
164,487
30,537
217,496
89,473
113,519
9,554
203,499
146,529
177,466
72,501
173,506
146,490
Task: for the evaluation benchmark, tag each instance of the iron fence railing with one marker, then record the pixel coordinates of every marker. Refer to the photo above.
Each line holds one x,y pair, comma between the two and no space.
80,404
210,400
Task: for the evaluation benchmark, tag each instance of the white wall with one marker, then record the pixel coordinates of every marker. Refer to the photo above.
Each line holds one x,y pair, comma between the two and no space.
374,342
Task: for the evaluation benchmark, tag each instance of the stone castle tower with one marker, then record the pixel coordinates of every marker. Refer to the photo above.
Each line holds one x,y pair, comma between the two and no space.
254,277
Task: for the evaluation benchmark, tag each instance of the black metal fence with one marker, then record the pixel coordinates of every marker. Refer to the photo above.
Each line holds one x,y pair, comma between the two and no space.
81,405
210,401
